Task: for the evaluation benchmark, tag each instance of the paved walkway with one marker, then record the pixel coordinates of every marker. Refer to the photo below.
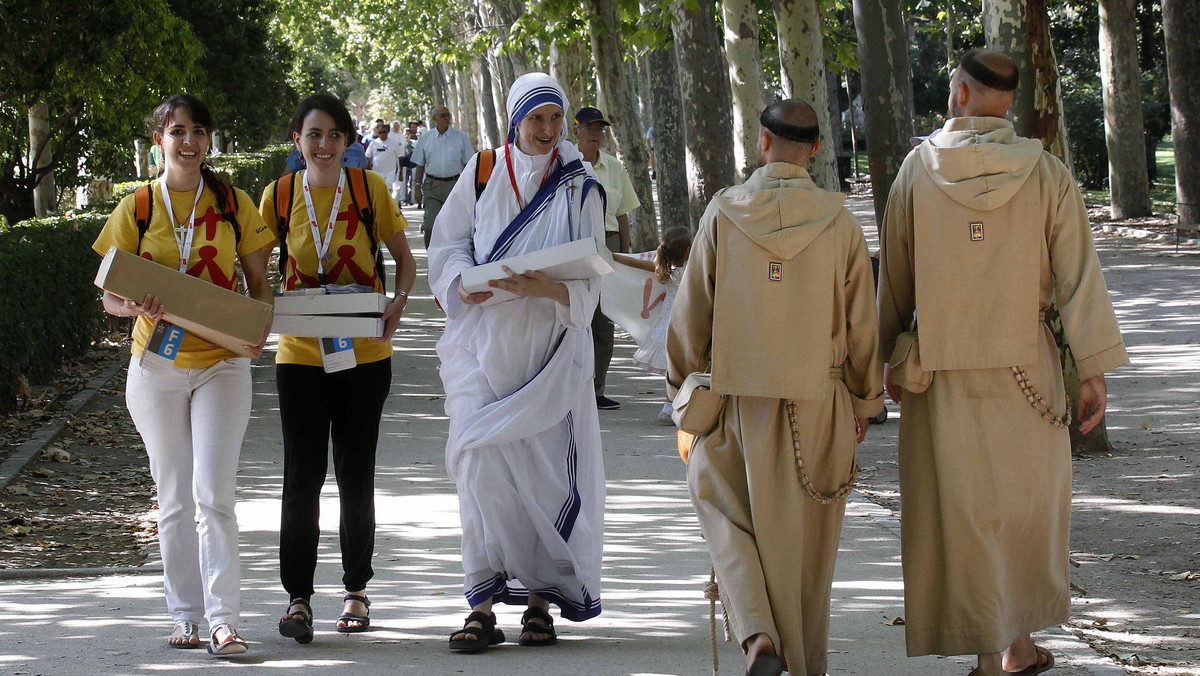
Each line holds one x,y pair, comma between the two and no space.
655,620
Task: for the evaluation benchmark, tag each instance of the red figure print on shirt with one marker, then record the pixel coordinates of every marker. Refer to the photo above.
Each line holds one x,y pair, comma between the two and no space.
647,306
297,279
350,216
208,261
345,262
210,220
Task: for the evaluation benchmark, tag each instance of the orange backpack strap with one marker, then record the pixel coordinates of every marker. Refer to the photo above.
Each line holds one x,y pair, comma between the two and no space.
283,211
361,197
283,200
483,170
143,210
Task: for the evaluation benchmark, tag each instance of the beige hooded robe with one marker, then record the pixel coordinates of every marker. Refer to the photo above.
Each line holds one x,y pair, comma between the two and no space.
982,229
779,290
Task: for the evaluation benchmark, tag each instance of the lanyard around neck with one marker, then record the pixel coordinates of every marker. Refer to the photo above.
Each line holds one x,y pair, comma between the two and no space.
322,246
512,177
182,242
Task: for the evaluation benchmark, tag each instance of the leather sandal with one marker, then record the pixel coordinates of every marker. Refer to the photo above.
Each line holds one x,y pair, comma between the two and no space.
187,633
348,617
299,628
232,645
1045,661
481,637
537,621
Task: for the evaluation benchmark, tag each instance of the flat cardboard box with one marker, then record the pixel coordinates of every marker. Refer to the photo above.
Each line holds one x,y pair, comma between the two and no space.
580,259
327,326
332,304
217,315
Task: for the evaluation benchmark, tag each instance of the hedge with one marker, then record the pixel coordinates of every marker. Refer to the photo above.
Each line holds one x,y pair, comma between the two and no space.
50,307
48,302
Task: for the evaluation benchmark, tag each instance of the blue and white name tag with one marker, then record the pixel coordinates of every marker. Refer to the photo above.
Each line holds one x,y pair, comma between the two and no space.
163,347
337,354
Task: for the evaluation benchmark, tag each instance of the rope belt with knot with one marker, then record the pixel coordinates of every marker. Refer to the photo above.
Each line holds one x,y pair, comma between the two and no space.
713,593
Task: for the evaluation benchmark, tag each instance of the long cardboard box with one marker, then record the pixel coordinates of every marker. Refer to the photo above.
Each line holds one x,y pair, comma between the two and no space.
217,315
327,326
331,304
580,259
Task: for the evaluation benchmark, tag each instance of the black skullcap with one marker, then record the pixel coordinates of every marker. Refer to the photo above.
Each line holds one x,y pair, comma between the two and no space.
773,122
986,76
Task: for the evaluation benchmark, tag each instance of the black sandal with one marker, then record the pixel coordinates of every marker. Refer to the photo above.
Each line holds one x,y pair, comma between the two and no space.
291,626
481,637
363,620
537,621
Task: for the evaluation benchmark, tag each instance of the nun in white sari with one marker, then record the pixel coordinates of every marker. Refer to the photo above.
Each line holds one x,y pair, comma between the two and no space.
524,442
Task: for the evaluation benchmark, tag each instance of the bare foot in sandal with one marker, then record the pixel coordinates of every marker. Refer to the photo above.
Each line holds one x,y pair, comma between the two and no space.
185,635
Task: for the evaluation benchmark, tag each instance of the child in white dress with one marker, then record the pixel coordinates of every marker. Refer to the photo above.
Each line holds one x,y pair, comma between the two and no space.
667,263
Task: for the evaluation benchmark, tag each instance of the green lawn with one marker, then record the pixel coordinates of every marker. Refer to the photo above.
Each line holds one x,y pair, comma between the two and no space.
1162,193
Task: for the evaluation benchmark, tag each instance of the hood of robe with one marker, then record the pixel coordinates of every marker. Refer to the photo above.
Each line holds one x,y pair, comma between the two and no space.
979,162
780,209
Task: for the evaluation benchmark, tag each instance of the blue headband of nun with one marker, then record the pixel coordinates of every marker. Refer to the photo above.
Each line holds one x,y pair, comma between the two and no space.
533,99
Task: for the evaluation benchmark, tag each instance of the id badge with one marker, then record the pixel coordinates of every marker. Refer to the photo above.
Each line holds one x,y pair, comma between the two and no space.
162,347
337,354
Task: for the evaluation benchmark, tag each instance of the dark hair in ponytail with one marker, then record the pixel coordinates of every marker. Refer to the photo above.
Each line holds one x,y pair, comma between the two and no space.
201,115
672,253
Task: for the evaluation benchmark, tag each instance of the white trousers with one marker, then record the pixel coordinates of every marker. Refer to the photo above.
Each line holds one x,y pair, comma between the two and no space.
192,422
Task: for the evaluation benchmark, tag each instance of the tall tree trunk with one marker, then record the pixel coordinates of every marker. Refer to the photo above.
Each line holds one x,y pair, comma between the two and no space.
437,77
1181,24
1049,122
670,164
141,158
643,74
1021,29
44,197
1006,28
1124,132
487,104
745,78
886,92
507,12
568,65
470,107
704,88
802,71
833,84
608,55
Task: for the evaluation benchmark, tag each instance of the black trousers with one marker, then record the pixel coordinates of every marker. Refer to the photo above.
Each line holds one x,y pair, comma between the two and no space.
313,407
603,330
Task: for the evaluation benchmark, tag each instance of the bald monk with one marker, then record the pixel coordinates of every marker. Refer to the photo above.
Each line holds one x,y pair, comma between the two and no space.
778,297
983,230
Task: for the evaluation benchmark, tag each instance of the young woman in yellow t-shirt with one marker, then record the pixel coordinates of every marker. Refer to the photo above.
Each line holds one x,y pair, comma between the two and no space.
315,405
192,410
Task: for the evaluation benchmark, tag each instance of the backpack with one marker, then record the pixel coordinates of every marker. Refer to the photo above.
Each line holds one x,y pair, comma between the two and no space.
483,170
143,211
285,187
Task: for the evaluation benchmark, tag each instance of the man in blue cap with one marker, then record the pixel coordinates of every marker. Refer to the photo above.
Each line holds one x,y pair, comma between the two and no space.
590,131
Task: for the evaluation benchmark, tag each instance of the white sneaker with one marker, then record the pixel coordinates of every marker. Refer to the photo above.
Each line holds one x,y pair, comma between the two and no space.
665,413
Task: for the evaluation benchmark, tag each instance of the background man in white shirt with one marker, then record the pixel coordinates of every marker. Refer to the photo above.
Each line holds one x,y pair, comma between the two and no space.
384,154
440,156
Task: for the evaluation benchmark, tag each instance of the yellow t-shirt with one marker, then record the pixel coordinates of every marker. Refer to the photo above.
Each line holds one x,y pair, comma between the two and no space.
212,256
349,254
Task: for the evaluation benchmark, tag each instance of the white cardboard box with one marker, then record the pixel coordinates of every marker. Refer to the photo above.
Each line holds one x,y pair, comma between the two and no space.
327,326
332,304
215,314
580,259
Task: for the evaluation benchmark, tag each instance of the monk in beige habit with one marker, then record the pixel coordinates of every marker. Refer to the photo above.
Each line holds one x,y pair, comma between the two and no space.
983,230
778,299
